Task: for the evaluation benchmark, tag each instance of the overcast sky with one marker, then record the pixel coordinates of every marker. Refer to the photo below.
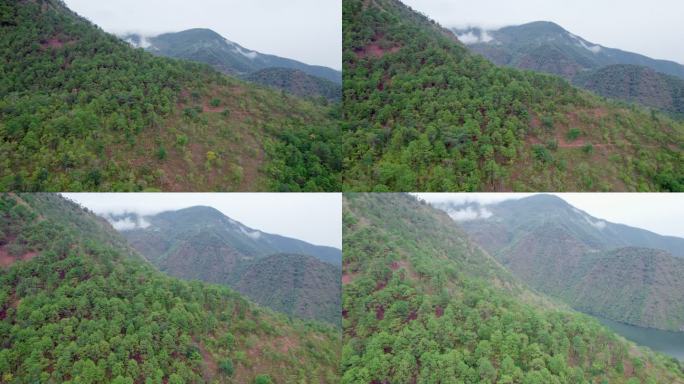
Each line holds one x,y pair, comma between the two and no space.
653,28
306,30
661,213
313,217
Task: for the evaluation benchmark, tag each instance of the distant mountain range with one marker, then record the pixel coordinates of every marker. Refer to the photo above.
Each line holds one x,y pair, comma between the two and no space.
547,47
201,243
611,270
207,46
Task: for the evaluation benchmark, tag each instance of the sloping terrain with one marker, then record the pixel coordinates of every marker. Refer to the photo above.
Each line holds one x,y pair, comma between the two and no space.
636,84
200,243
82,110
299,285
547,47
422,303
297,83
423,113
611,270
86,308
207,46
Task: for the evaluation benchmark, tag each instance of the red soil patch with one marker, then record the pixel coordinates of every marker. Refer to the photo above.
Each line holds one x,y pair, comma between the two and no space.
375,50
55,43
209,108
394,266
6,259
439,311
211,365
346,279
286,343
52,43
380,312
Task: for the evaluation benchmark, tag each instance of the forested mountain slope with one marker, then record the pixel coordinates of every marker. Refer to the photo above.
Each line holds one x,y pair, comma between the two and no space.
78,305
636,84
422,113
286,274
422,304
299,285
82,110
611,270
547,47
207,46
297,83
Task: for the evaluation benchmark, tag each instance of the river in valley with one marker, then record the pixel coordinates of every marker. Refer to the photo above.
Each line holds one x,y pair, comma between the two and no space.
669,343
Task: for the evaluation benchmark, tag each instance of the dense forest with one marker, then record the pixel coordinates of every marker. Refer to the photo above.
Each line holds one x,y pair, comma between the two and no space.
610,270
77,305
422,304
422,113
297,83
637,84
82,110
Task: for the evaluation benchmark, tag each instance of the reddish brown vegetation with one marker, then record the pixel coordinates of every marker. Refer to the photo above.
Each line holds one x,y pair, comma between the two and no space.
380,312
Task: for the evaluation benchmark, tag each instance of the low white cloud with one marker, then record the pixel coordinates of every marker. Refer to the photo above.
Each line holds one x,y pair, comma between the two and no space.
143,41
472,38
469,213
255,235
248,54
599,224
128,223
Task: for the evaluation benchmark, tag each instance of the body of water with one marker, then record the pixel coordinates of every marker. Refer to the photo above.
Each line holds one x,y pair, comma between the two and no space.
669,343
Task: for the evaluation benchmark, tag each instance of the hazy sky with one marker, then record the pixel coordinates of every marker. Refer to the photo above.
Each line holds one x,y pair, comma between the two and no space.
661,213
306,30
653,28
312,217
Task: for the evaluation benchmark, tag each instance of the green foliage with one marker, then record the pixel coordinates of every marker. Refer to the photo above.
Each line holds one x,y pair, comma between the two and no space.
263,379
424,305
88,309
227,367
79,109
573,134
297,83
422,113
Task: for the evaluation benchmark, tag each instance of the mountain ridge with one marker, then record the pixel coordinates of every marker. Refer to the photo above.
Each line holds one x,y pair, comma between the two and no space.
202,243
609,72
558,249
207,46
